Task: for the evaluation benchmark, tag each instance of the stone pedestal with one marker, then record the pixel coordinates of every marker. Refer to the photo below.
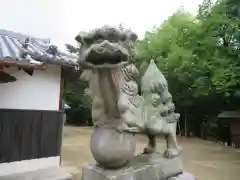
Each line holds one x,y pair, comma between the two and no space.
142,167
54,173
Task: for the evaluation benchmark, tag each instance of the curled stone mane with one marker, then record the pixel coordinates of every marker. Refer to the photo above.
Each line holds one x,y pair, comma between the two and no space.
153,79
106,33
106,45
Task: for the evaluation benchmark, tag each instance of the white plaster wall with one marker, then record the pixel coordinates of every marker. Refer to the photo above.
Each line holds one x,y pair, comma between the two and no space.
37,92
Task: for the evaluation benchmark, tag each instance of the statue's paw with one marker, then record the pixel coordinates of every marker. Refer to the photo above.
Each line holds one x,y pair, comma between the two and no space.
125,127
122,128
169,153
149,150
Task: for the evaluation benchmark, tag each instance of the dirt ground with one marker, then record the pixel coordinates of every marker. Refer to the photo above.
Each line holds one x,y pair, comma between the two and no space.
206,160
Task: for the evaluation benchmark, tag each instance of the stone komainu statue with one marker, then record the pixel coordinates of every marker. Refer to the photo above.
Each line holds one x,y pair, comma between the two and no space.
159,110
117,109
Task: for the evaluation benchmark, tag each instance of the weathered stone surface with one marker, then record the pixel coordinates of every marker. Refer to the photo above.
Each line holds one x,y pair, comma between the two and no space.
112,149
183,176
105,57
54,173
158,111
142,167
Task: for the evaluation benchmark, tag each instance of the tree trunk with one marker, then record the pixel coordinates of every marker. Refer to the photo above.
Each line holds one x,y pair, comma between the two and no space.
179,129
185,124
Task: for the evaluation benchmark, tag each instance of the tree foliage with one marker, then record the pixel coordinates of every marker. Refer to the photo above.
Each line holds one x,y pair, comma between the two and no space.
74,94
199,56
79,113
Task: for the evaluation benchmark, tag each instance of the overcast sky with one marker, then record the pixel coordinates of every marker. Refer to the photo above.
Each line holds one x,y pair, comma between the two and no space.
61,20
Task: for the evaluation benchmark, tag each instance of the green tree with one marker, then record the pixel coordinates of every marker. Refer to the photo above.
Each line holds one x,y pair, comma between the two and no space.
199,56
221,25
170,45
79,113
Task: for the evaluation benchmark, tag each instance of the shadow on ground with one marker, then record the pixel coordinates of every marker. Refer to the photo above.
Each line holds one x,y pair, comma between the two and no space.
206,160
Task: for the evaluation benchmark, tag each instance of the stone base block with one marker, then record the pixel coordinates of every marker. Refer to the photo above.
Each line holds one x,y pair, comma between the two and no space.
54,173
142,167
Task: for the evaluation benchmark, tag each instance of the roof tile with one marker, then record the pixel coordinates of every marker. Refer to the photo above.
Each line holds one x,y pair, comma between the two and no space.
14,45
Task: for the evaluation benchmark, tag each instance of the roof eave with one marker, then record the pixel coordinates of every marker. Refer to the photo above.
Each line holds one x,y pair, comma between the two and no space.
52,60
14,63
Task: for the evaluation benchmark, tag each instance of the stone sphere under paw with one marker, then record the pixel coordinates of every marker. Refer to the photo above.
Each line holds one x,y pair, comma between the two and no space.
112,149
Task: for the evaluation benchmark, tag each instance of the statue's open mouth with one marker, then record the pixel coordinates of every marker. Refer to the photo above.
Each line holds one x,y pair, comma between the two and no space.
107,54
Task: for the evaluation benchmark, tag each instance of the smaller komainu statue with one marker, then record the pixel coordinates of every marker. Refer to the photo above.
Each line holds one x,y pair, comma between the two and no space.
158,111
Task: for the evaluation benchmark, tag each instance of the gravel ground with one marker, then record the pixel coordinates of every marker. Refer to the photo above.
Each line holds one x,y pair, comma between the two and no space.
206,160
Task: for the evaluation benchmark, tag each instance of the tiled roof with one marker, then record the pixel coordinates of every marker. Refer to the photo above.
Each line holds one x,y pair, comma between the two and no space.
19,48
